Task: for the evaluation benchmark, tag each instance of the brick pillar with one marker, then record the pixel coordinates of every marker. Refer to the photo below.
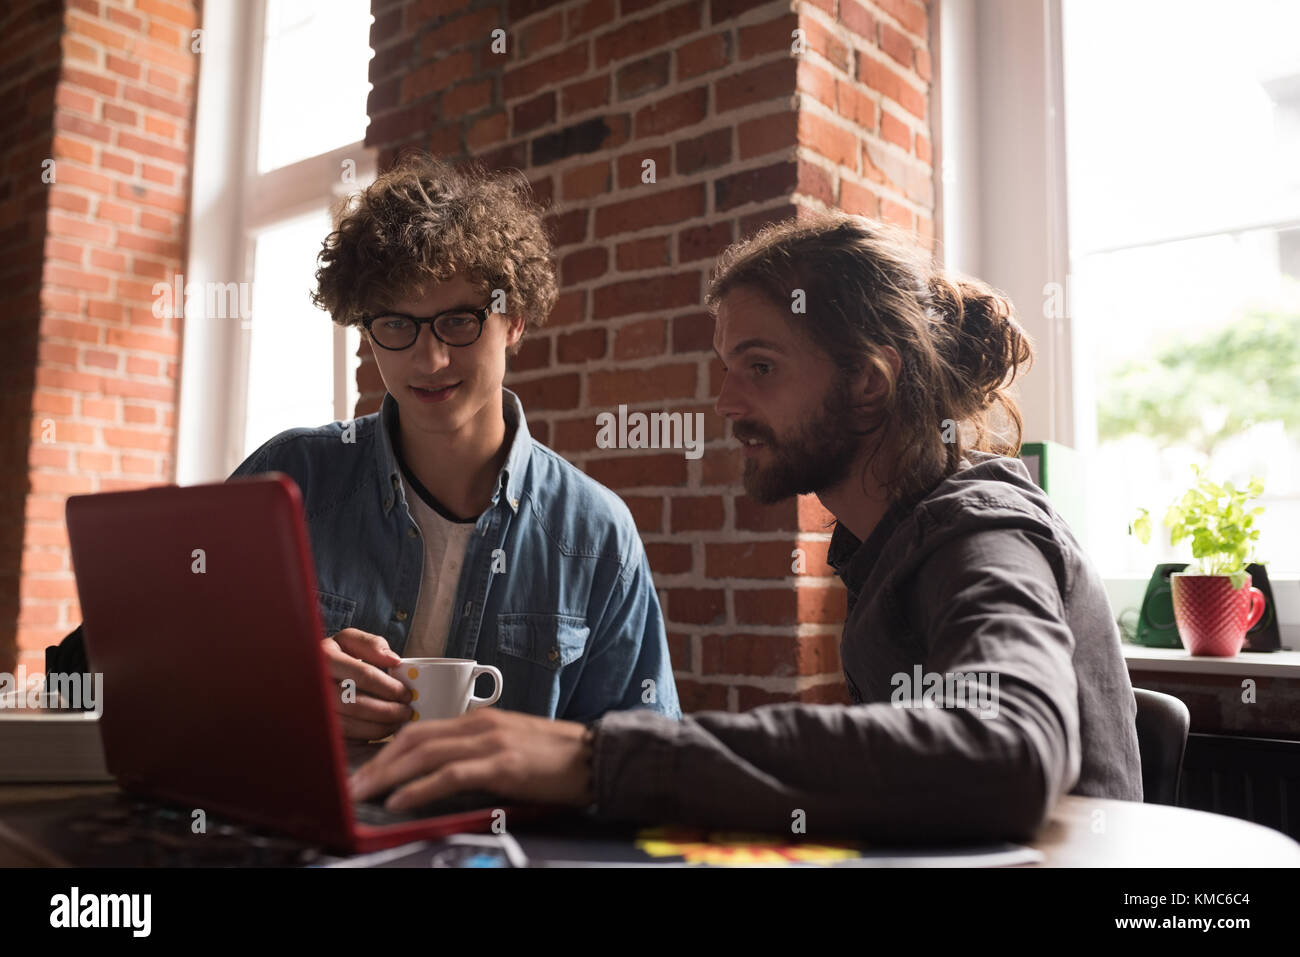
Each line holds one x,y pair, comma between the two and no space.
742,131
101,95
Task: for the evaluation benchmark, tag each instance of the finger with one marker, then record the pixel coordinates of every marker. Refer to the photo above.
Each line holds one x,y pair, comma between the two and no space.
367,677
367,708
367,647
416,734
383,773
357,729
470,774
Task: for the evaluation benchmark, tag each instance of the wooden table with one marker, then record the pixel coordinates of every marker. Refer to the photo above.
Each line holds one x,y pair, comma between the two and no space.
1082,832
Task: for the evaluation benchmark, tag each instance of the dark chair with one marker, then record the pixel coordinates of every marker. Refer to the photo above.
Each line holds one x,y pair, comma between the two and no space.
1162,722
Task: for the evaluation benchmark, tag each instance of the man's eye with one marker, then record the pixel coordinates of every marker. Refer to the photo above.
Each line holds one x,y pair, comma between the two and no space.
761,368
459,319
395,322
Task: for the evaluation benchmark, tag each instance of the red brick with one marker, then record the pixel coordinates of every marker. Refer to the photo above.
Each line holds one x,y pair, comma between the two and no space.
65,147
639,471
584,182
696,513
896,45
640,339
896,213
703,242
894,130
703,56
771,655
631,166
564,65
581,346
830,47
649,253
553,392
668,559
699,606
673,113
641,36
585,95
182,15
858,200
768,134
584,264
763,559
886,81
114,214
709,150
701,696
909,13
855,106
831,692
755,185
768,36
659,208
647,511
589,16
534,113
837,143
646,295
766,82
786,606
657,384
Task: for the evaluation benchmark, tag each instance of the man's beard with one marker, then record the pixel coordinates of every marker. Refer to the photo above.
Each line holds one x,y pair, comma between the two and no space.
817,456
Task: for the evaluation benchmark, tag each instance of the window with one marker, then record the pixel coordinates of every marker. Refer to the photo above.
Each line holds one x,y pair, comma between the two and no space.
280,128
1182,132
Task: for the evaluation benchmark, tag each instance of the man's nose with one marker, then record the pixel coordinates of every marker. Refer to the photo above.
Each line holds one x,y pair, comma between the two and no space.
429,347
729,403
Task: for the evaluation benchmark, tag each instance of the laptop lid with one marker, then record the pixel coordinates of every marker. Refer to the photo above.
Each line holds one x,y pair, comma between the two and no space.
199,608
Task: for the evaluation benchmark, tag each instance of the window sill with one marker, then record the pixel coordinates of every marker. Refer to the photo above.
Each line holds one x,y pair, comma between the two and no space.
1252,664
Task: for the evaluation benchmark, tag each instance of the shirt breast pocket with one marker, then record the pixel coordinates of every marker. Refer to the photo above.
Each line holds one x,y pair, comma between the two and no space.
335,612
533,652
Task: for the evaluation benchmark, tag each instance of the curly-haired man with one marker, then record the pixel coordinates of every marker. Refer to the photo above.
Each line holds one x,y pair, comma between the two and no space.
438,526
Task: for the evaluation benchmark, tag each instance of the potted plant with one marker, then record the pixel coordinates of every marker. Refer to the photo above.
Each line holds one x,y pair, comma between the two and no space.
1215,602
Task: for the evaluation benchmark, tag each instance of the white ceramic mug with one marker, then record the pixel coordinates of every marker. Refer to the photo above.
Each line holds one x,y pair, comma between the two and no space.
444,687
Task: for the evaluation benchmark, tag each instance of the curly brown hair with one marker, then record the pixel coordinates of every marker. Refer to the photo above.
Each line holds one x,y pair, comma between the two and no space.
868,285
424,221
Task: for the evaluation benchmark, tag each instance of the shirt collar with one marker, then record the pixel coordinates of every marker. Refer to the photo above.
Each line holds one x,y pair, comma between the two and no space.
511,476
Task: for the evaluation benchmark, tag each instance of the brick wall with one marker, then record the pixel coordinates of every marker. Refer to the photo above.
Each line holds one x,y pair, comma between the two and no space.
742,132
92,376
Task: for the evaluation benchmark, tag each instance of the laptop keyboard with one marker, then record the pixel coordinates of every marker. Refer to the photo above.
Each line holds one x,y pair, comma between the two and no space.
139,833
374,814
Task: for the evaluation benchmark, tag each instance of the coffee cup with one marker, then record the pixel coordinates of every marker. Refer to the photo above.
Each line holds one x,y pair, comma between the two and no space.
444,687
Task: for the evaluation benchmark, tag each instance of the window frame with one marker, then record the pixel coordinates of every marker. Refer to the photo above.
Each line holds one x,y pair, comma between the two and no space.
230,203
1002,210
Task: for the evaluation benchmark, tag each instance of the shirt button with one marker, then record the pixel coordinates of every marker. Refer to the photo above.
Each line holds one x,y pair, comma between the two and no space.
553,654
401,615
411,532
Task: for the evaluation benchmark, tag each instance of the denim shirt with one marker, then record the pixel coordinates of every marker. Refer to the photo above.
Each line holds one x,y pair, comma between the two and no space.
555,590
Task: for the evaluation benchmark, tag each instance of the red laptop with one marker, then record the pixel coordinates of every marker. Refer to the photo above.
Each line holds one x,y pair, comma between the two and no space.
199,608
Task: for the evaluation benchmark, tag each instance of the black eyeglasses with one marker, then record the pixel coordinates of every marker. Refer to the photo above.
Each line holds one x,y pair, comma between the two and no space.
455,327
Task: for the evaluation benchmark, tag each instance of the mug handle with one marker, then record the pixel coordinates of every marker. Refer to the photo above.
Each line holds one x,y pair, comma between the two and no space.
496,691
1256,610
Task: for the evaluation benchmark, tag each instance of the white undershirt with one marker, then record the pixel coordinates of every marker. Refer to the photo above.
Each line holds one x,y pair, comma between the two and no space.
445,544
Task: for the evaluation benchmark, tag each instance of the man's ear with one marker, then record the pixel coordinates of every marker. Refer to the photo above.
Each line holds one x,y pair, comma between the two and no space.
872,382
515,330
